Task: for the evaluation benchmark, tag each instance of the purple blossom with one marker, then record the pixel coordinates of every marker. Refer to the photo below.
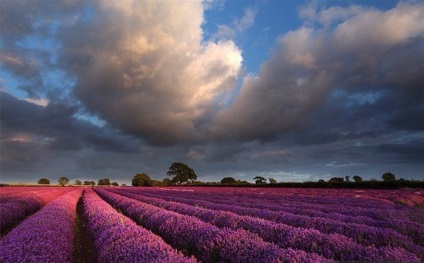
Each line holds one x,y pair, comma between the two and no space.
46,236
206,242
119,239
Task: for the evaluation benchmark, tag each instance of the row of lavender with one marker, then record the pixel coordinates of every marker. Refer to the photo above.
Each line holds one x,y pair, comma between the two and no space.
181,231
119,239
409,239
374,208
369,212
208,243
330,246
383,216
16,203
46,236
49,234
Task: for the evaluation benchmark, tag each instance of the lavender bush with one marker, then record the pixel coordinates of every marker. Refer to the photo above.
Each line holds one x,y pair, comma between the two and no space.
46,236
208,243
16,206
119,239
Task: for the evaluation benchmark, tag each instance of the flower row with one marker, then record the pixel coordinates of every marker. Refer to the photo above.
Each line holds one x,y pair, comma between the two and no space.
17,206
118,239
332,246
363,234
46,236
206,242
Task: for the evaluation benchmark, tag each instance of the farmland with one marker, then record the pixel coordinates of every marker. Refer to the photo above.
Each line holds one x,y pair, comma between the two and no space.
210,224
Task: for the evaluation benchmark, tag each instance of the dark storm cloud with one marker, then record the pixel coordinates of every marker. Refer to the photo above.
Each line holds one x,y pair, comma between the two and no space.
56,127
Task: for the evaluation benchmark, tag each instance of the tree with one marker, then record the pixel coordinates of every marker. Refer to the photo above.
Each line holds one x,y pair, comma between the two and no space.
387,177
336,180
166,182
92,183
141,180
357,179
347,178
43,181
104,181
63,181
228,180
259,180
181,172
115,184
78,182
272,181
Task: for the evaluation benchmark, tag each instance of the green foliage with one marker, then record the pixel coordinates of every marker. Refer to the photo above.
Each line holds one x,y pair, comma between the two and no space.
166,182
347,177
228,180
63,181
104,181
78,182
357,179
259,180
141,180
43,181
181,172
387,177
336,180
92,183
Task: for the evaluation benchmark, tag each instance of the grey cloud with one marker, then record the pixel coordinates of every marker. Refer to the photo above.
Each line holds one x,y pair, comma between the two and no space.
309,64
149,75
57,127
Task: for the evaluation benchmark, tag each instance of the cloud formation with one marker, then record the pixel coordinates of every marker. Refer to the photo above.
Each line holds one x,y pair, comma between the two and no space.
346,83
356,50
150,74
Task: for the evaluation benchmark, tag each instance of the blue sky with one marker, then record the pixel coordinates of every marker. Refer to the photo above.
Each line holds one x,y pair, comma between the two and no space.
294,90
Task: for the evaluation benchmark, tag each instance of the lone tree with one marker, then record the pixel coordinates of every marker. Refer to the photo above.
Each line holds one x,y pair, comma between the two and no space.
228,180
357,179
63,181
181,172
43,181
387,177
78,182
105,181
259,180
141,180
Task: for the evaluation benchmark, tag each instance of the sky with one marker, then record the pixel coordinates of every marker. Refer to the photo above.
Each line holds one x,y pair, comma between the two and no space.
290,90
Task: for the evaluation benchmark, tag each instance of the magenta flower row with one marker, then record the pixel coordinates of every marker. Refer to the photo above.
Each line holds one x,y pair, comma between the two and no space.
46,236
206,242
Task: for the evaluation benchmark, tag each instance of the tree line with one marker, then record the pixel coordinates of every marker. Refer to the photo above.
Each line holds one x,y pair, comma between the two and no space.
182,174
65,181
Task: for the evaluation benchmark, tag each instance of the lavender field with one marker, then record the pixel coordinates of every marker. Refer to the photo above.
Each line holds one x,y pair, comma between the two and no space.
210,224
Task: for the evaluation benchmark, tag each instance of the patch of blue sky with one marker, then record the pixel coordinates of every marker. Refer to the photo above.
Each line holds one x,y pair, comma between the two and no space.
362,98
10,84
93,119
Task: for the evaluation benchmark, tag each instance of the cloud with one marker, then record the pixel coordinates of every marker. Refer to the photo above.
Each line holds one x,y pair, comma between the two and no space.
365,51
238,26
151,74
346,83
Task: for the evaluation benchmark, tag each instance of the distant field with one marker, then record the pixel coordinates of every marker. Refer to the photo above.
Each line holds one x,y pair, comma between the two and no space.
210,224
